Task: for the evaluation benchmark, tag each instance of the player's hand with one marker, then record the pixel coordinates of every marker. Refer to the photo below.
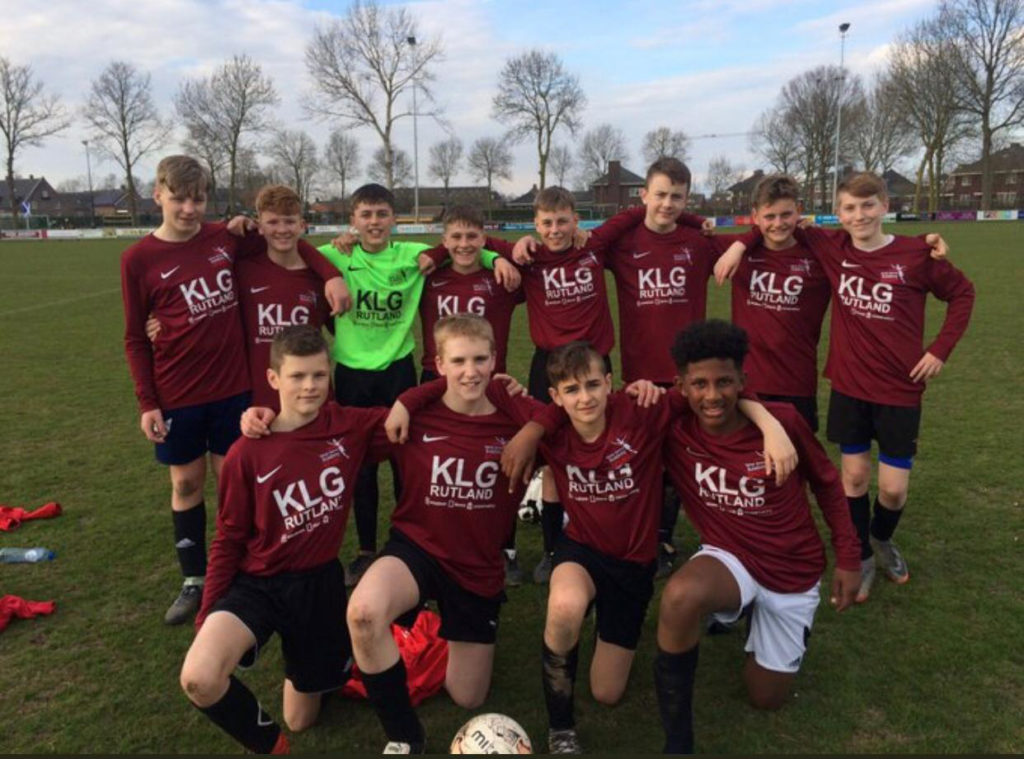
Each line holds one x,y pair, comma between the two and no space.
805,222
707,227
256,421
729,263
926,368
845,584
426,264
507,275
153,426
517,457
523,250
345,242
780,456
397,424
512,386
580,237
240,224
940,250
338,296
645,392
152,328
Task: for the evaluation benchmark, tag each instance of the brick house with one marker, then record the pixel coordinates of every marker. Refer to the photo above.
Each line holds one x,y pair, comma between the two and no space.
964,183
618,189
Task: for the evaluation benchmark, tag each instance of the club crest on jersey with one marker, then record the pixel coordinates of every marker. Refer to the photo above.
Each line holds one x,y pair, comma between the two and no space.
308,297
756,466
220,256
336,449
895,274
684,255
484,286
622,453
803,266
495,448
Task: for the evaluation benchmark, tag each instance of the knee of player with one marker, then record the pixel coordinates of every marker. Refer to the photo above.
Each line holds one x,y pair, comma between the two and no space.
469,699
892,494
681,599
202,687
607,693
298,720
185,486
362,619
767,700
564,618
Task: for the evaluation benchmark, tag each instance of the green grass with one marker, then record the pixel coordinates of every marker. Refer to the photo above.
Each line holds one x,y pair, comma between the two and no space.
931,667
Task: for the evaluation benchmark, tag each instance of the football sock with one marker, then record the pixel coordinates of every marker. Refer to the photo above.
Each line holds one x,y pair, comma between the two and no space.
551,523
240,715
190,540
559,675
510,544
669,514
673,685
364,505
860,514
389,696
883,525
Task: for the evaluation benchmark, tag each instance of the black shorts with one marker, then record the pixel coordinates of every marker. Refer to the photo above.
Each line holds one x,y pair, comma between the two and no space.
194,430
307,609
853,422
806,406
465,616
624,589
539,383
428,375
366,387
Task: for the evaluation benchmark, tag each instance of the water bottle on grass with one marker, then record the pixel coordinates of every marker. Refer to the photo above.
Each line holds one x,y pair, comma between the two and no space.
25,555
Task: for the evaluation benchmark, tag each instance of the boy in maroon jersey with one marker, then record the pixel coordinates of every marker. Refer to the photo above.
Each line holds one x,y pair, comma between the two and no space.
880,283
447,531
760,549
607,468
283,506
191,382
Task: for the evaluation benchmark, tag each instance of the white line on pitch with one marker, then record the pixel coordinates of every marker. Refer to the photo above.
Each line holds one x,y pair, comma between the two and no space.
55,304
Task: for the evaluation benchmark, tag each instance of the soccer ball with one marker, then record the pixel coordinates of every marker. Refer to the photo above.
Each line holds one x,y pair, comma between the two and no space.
491,734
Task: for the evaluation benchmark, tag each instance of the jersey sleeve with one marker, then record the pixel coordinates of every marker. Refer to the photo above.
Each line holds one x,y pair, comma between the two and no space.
137,347
315,260
251,244
439,255
947,283
237,503
606,237
419,397
520,409
502,247
340,261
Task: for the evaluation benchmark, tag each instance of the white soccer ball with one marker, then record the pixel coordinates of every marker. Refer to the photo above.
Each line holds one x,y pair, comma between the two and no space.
491,734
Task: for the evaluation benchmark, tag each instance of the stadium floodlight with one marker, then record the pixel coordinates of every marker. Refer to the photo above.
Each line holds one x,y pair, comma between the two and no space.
88,173
415,139
843,29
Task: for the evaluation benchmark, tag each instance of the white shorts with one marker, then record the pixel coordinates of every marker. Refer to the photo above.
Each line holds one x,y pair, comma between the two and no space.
780,623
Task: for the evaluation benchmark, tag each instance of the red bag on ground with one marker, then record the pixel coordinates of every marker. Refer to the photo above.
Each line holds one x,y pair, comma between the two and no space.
12,516
13,606
424,653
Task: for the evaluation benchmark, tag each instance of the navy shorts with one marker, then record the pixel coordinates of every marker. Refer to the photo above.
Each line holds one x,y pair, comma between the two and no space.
853,422
806,406
194,430
307,609
624,590
465,616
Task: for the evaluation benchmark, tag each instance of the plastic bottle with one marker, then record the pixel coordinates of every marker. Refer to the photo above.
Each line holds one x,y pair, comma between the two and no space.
25,555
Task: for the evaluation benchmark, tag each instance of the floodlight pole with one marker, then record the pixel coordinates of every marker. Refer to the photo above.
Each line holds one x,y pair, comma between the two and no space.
843,28
92,199
415,141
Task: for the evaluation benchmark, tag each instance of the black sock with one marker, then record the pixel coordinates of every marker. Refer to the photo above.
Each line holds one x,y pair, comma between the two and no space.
860,514
559,676
883,525
190,540
551,523
510,542
240,715
673,685
389,695
669,515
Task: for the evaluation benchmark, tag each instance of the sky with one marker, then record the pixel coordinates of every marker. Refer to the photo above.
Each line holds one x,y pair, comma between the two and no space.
706,67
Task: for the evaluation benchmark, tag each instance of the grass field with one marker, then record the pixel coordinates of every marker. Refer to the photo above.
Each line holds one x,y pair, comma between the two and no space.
935,666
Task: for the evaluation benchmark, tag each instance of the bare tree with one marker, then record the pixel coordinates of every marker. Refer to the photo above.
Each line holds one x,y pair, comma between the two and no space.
925,85
73,184
775,140
722,174
361,65
27,116
536,96
561,162
664,143
881,134
988,45
600,145
398,169
295,154
233,102
445,157
490,159
125,123
210,149
341,159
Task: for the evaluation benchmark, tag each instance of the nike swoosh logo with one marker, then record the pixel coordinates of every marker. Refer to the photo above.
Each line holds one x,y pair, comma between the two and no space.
434,438
255,290
166,274
757,260
261,478
848,265
641,255
698,454
438,284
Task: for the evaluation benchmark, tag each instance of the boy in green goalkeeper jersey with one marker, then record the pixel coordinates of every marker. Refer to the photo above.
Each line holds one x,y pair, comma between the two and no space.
373,342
